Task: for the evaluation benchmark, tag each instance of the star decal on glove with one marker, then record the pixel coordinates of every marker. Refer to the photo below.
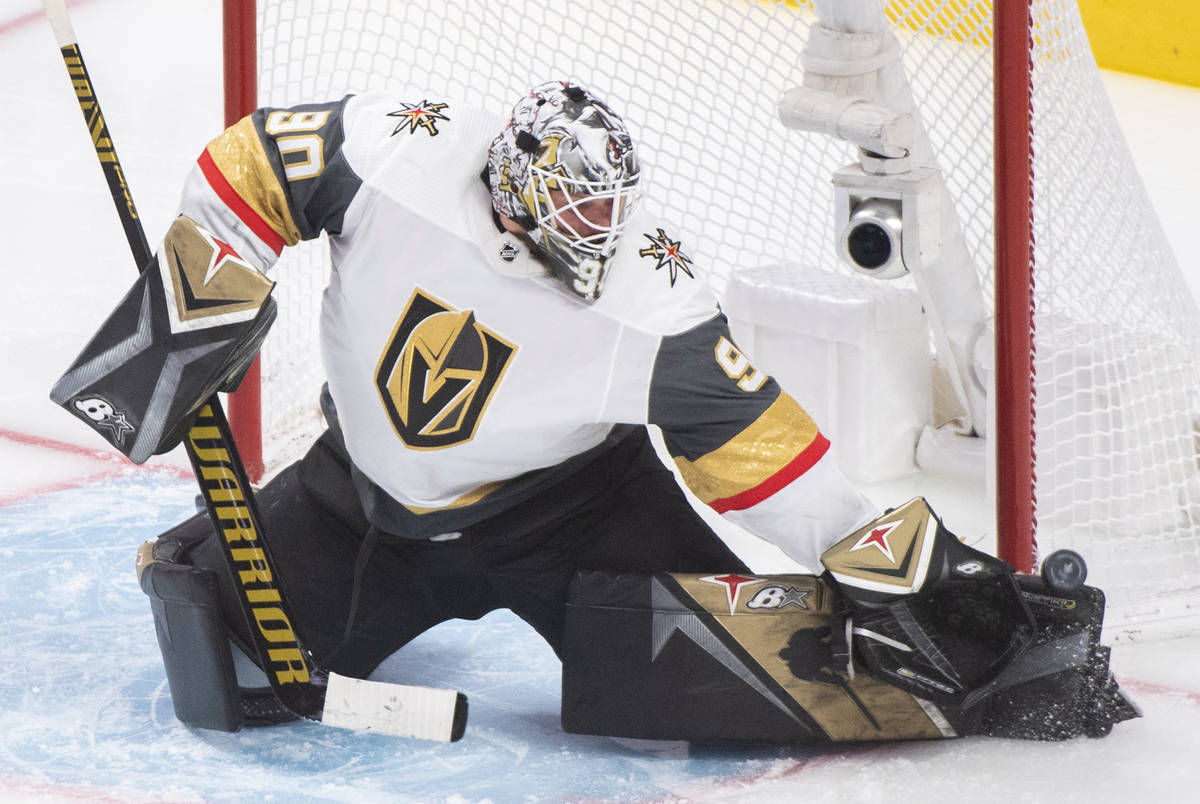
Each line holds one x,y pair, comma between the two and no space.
878,538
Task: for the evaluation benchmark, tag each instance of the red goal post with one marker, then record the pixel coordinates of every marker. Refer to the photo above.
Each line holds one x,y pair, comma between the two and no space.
1015,450
239,33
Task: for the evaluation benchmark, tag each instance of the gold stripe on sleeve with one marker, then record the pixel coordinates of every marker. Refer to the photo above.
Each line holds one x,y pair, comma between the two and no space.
770,443
239,154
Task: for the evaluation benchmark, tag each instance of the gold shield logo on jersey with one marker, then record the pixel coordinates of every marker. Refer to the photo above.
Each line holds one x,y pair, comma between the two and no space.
438,373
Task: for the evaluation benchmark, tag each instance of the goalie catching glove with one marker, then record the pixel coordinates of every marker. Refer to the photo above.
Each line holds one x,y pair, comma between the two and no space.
190,326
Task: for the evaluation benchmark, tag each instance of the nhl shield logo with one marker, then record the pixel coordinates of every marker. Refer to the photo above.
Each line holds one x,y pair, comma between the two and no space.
438,373
509,252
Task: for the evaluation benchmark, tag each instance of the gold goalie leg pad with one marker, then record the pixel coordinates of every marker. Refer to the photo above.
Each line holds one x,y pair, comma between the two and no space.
723,658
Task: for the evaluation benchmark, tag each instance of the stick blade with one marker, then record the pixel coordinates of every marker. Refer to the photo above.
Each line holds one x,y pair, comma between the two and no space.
423,713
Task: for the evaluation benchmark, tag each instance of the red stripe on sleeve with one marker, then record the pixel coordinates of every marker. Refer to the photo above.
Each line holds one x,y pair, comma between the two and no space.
235,202
796,467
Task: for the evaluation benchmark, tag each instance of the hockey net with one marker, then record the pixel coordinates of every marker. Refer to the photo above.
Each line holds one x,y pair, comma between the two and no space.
1115,331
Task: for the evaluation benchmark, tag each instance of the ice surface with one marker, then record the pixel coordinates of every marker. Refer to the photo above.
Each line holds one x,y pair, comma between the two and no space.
85,714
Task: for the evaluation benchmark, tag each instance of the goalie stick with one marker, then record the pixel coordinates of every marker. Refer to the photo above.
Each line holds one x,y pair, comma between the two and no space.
300,685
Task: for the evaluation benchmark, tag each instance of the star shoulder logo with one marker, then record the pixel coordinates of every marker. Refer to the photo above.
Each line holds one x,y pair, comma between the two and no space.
668,254
423,115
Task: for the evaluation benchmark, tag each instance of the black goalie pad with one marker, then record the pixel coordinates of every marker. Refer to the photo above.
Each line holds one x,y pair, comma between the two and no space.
722,659
185,602
933,640
190,326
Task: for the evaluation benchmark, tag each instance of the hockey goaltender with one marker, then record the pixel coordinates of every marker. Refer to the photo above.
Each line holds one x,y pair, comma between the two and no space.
502,321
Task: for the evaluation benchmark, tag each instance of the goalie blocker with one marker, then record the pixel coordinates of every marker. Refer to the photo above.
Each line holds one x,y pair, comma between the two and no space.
190,326
909,634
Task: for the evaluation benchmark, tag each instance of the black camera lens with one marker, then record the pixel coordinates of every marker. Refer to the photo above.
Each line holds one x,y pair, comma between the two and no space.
869,245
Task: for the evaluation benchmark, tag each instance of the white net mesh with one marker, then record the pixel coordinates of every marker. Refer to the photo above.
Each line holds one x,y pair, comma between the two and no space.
698,82
1117,347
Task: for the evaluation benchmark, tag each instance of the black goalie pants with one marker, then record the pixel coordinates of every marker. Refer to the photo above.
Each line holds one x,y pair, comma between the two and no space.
625,513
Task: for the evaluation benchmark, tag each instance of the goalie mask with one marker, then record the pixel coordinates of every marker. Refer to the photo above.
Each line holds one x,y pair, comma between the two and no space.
565,170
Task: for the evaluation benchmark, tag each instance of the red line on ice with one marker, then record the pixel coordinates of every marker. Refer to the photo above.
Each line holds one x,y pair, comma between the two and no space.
66,791
112,466
12,498
59,446
1150,688
21,20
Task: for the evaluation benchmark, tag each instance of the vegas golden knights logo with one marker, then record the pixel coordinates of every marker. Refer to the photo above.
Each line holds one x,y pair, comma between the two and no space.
438,373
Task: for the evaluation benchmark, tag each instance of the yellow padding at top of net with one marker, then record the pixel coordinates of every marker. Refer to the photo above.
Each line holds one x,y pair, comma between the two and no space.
959,20
1163,43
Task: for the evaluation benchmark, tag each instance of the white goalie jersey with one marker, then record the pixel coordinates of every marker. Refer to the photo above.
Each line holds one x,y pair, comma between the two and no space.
464,377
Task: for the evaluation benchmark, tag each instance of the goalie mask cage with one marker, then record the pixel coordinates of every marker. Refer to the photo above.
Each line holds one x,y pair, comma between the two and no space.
1098,337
